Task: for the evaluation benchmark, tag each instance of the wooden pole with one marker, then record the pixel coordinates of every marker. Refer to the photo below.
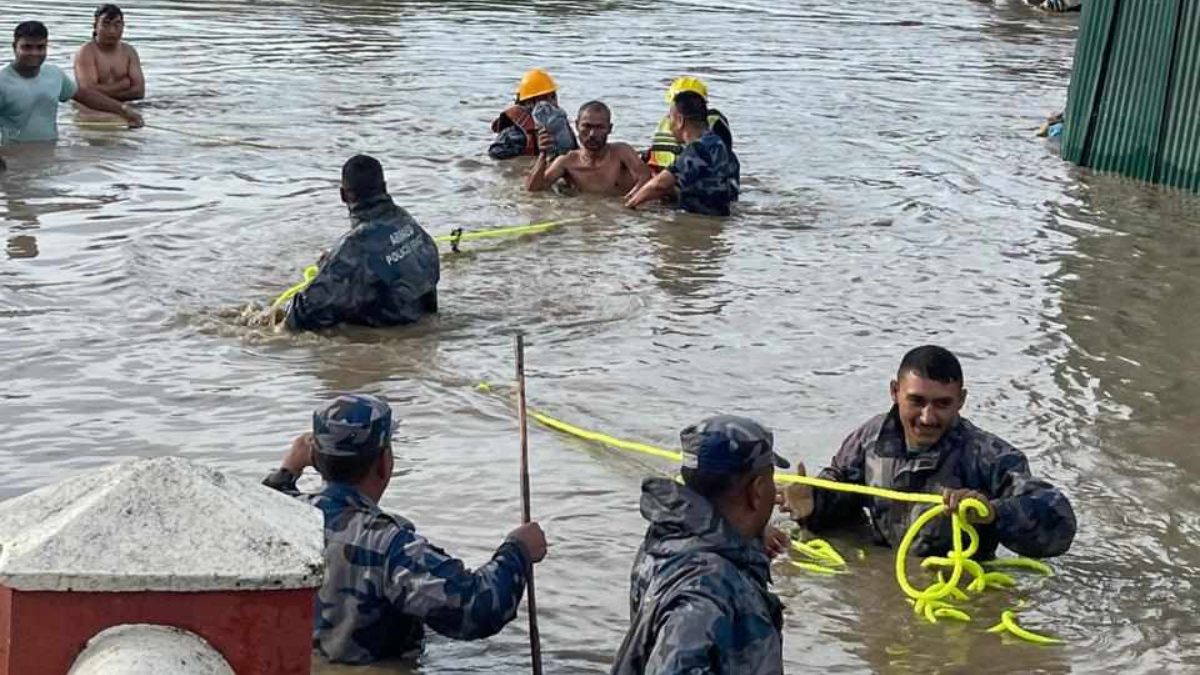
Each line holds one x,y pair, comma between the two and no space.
535,641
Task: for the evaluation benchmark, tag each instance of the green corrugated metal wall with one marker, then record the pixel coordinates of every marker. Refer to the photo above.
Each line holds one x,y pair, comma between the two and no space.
1135,91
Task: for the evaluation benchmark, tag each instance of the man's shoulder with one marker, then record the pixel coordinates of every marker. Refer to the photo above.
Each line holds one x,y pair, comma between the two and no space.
623,149
704,574
383,529
870,429
51,71
985,443
571,158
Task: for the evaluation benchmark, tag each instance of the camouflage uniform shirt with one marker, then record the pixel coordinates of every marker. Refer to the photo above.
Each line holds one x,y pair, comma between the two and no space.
708,175
384,582
698,597
384,272
509,143
1033,518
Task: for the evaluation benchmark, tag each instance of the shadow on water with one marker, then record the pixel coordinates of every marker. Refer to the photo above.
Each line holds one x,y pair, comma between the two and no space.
689,252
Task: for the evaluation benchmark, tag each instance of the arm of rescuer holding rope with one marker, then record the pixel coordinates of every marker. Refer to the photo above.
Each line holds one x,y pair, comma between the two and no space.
1025,514
330,297
425,582
545,172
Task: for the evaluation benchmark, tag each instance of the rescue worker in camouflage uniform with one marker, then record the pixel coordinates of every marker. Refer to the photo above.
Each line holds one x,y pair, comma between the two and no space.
384,272
706,176
664,147
923,445
384,583
698,596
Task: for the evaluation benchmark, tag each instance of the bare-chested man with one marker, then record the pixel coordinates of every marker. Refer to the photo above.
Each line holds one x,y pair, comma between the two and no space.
107,64
598,167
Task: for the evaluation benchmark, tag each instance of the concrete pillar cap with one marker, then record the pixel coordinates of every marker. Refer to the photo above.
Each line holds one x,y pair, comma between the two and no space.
142,649
162,524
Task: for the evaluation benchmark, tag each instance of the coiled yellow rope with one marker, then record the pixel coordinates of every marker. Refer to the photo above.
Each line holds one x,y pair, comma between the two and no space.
930,602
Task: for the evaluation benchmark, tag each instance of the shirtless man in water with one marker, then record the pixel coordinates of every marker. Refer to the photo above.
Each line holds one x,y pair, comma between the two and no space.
107,64
598,167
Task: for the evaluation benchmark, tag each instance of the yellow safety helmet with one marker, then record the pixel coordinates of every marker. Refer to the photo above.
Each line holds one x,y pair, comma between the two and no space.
536,82
686,83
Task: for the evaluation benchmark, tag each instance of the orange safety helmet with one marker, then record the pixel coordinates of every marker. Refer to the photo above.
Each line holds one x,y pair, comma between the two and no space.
536,82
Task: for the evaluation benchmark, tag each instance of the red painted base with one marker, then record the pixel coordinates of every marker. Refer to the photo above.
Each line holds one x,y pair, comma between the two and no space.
258,632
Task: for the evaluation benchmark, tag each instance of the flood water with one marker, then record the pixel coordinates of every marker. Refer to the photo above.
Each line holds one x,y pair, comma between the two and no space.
893,194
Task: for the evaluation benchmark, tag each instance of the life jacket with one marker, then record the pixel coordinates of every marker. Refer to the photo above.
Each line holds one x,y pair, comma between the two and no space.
519,116
664,148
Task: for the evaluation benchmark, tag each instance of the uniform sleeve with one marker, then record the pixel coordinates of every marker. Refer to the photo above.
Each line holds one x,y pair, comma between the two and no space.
688,167
834,509
1033,518
426,583
68,89
282,480
694,637
334,293
509,143
721,128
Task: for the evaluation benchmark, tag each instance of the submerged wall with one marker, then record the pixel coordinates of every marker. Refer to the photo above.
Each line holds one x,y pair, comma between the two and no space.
1135,91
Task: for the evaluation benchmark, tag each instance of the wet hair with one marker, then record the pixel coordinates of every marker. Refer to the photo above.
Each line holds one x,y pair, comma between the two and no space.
34,30
691,106
347,470
716,486
932,363
596,106
711,486
363,176
109,12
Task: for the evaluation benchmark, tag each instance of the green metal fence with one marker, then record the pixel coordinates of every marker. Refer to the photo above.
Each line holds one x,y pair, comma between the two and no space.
1134,97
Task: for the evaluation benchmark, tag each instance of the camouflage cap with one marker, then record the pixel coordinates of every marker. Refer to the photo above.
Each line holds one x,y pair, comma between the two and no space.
352,425
728,444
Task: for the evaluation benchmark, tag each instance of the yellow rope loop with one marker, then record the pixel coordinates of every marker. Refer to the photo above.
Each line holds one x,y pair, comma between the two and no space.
902,551
1022,563
952,613
310,273
929,602
1008,624
814,567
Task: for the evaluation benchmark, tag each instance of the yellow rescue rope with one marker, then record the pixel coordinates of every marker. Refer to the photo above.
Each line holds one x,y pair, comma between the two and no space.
930,602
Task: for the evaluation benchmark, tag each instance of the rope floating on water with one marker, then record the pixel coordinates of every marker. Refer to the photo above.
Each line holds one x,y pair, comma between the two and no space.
224,140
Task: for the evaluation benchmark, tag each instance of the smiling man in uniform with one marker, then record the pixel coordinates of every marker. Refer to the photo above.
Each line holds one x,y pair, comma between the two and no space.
923,445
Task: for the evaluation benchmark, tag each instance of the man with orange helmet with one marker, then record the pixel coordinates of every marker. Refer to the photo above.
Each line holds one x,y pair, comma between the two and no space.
536,108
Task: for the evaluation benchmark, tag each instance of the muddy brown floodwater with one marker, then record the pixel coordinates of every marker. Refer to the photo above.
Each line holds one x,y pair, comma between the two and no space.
893,194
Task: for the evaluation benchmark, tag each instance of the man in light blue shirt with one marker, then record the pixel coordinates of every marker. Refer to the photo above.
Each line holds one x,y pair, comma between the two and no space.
30,92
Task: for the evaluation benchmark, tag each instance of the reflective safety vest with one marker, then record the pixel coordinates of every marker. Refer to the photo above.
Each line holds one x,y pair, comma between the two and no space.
522,118
664,148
